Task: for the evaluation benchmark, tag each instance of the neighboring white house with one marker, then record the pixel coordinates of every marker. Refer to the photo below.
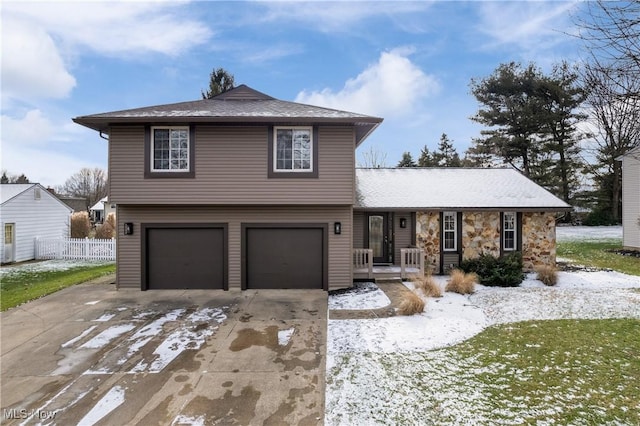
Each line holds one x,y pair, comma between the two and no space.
631,199
28,211
100,210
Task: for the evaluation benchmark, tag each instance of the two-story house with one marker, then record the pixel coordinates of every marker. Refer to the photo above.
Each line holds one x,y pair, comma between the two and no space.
247,191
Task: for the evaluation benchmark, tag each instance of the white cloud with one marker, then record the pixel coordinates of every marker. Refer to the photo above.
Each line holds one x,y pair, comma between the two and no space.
527,25
116,27
45,150
41,40
340,16
392,86
31,64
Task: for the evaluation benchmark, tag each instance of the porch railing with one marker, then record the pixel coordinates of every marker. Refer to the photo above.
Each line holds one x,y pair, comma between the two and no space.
411,258
411,263
363,261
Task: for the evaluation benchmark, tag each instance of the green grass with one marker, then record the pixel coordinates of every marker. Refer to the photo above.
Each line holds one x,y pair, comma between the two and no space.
20,287
594,253
578,372
563,372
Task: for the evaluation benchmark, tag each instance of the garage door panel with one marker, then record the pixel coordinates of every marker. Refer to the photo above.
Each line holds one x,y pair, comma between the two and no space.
285,258
180,258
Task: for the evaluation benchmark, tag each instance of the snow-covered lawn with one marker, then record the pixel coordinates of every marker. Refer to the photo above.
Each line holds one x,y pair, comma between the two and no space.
572,233
401,369
49,266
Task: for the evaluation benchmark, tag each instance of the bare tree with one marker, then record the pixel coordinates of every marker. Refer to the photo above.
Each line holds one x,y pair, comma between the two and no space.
611,31
87,183
616,118
373,158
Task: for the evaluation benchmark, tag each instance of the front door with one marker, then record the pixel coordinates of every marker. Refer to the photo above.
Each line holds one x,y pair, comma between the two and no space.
380,240
9,242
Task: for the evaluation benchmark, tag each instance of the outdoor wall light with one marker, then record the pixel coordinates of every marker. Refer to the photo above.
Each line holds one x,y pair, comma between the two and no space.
337,228
128,228
403,222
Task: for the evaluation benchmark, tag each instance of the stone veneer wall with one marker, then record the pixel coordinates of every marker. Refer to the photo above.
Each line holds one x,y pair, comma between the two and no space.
428,238
538,240
480,234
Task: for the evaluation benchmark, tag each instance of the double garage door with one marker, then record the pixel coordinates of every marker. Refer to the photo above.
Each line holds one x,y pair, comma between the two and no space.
272,256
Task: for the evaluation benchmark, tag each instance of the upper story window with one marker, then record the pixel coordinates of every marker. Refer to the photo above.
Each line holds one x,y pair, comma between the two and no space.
170,149
293,149
509,231
449,231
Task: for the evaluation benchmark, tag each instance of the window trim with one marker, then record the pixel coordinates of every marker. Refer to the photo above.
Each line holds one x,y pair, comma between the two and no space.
505,230
150,173
455,231
272,154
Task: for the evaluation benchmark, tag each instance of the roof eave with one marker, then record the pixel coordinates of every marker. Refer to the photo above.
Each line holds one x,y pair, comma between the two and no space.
467,208
102,124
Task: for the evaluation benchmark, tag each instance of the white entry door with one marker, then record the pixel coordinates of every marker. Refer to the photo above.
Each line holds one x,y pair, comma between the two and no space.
9,242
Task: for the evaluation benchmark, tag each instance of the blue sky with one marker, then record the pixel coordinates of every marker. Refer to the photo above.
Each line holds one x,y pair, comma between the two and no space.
408,62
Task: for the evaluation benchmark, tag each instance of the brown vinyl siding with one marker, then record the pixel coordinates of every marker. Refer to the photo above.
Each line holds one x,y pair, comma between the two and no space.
359,222
129,248
231,168
402,236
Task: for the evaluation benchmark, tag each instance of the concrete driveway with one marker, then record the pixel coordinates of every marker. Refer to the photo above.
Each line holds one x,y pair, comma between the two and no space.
92,355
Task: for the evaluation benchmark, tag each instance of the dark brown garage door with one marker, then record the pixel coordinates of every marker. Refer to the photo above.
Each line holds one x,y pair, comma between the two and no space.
186,257
285,257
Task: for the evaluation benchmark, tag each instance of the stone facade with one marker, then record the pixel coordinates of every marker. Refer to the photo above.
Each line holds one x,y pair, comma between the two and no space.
538,239
481,234
428,238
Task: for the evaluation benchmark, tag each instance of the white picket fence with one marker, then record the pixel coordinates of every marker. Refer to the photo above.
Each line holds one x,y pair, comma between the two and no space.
75,248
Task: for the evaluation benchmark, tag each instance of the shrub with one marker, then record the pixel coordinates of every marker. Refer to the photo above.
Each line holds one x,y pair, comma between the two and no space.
411,304
428,286
547,274
80,225
505,271
599,218
461,282
107,229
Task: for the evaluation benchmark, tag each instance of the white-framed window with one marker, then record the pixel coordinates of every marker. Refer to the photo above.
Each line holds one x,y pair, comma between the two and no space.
509,231
170,149
449,231
293,149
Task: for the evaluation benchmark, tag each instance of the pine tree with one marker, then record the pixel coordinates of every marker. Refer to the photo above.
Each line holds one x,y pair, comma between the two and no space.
407,160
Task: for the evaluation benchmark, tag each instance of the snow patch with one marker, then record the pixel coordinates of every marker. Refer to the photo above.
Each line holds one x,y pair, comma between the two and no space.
109,402
284,336
191,336
79,337
361,296
187,420
105,317
93,302
107,335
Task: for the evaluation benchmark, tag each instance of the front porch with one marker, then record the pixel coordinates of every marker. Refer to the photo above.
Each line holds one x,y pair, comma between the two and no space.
411,264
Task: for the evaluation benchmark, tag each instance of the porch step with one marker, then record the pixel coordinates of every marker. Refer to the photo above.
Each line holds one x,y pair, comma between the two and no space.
387,280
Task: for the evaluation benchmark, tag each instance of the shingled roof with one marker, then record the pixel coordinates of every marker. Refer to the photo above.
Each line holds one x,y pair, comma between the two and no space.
452,189
241,104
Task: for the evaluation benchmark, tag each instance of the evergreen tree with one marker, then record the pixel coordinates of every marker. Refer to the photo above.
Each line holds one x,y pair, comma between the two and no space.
427,158
219,81
447,155
407,160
